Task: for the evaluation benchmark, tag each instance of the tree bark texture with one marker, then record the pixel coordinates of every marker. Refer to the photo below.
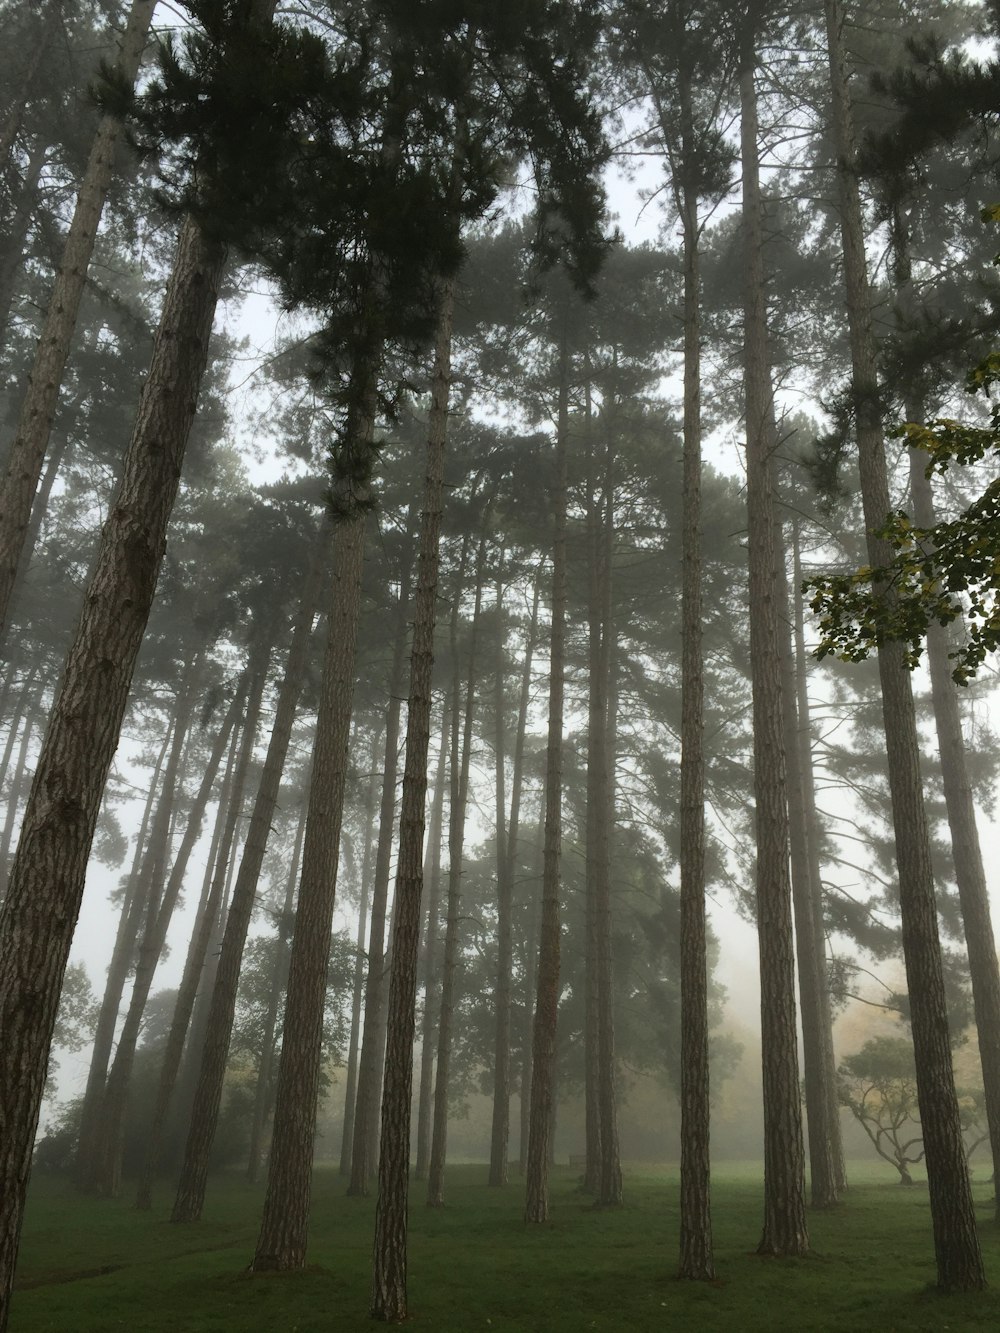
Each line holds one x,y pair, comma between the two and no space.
956,1243
357,988
46,885
190,1198
284,1227
263,1100
610,1183
536,1208
811,815
432,874
785,1231
596,725
27,454
696,1251
500,1126
970,874
811,963
460,764
389,1296
370,1065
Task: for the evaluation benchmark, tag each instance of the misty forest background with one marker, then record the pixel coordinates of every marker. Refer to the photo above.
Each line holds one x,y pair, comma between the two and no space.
464,487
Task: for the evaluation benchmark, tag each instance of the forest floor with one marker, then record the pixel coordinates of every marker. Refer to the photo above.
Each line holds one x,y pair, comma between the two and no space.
94,1267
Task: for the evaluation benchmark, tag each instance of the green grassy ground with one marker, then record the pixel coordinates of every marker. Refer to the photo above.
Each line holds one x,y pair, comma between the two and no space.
87,1267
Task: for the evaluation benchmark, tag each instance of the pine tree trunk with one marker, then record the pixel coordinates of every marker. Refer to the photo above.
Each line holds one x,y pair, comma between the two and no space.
610,1184
970,874
804,744
596,723
205,923
190,1197
365,1144
122,956
109,1138
281,1244
388,1301
956,1244
357,988
785,1231
432,874
696,1252
263,1101
456,841
547,995
152,876
811,963
46,885
27,454
500,1127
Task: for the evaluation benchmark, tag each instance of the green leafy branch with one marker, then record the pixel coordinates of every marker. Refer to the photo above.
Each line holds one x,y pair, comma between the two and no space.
938,574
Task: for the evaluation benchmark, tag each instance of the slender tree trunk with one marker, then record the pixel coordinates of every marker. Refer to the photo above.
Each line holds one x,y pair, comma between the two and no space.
121,958
17,489
190,1197
804,745
500,1128
456,842
205,924
956,1244
263,1102
697,1260
432,874
785,1231
547,996
610,1184
281,1244
365,1144
152,873
596,723
811,963
388,1301
109,1139
970,874
527,1029
357,989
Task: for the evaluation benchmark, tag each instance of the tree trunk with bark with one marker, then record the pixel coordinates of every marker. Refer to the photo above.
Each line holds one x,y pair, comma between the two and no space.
109,1139
31,437
388,1300
208,914
365,1145
811,962
785,1231
956,1243
357,988
460,763
696,1251
547,995
500,1126
263,1100
970,874
190,1197
46,885
281,1244
811,815
432,874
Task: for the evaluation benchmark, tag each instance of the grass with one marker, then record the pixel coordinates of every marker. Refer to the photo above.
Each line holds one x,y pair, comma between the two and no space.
94,1267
